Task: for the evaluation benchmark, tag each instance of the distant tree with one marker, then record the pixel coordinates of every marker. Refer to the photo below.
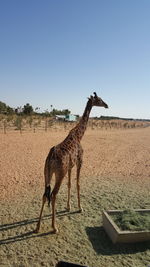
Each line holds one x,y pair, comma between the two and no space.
10,110
65,112
4,109
18,123
46,113
55,112
27,109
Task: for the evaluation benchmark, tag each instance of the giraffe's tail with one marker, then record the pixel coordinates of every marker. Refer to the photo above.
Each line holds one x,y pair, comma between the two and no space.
47,194
48,176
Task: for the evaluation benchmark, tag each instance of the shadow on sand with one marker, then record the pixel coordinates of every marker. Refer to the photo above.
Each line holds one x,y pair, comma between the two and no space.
30,234
103,245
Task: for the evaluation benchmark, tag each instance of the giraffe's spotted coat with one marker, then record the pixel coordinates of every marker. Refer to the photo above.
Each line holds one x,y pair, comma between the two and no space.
64,156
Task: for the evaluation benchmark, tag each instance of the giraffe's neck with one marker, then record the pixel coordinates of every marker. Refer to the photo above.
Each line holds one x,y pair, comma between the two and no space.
85,116
82,125
75,135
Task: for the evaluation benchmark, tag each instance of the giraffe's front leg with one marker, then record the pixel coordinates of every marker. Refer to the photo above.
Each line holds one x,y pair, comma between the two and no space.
78,188
69,189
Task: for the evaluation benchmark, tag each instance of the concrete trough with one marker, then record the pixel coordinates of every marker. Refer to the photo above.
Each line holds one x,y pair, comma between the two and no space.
121,236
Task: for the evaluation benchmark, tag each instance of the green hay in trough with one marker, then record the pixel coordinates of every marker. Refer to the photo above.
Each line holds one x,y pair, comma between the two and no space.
132,220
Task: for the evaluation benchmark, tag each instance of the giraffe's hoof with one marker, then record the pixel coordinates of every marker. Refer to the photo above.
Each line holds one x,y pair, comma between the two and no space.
68,209
36,230
80,210
55,231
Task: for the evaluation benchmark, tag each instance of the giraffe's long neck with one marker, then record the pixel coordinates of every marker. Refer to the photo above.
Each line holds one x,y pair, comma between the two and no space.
85,116
82,125
76,134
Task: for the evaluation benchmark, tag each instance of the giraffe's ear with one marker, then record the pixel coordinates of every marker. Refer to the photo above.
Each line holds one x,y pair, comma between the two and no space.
91,97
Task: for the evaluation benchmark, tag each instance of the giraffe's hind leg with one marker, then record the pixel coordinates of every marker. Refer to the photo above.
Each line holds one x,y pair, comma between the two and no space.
39,221
59,179
47,194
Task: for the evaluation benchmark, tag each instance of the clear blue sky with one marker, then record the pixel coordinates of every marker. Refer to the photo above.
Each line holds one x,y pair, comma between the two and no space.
58,52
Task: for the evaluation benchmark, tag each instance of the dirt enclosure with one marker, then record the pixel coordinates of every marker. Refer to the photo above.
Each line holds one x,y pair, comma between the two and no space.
115,175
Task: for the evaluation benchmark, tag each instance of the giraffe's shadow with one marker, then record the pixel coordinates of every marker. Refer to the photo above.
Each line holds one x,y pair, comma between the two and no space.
29,234
104,246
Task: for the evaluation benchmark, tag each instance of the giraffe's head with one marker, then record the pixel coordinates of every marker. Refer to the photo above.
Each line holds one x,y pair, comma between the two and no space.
97,101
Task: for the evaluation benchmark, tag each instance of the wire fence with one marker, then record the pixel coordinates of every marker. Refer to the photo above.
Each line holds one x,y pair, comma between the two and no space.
34,124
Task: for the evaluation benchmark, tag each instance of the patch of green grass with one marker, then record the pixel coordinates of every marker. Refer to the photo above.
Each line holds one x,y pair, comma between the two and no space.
132,220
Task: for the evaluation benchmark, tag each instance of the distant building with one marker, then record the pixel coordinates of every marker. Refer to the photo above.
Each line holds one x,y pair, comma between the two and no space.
60,117
69,117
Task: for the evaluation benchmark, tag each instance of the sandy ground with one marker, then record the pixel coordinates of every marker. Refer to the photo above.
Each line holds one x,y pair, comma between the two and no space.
115,174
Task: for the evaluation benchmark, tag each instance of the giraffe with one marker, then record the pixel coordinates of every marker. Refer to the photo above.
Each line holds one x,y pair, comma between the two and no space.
62,158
